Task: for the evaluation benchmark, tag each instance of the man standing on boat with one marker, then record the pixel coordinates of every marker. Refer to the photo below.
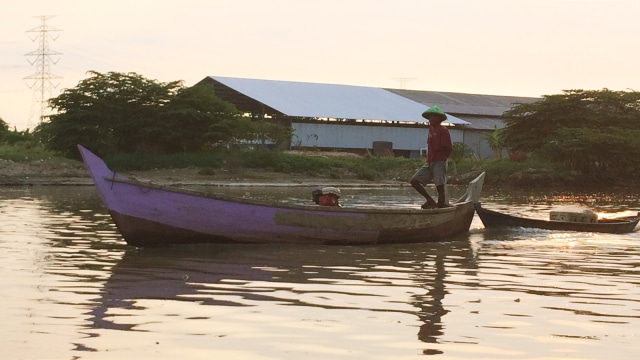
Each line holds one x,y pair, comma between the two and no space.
434,170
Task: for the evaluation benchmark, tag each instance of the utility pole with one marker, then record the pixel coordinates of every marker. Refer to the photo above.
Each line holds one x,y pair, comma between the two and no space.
42,80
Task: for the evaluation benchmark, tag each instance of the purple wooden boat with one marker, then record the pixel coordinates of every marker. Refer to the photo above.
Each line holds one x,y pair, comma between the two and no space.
148,214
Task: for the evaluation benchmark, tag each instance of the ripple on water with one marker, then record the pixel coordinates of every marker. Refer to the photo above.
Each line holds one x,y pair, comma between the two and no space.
72,287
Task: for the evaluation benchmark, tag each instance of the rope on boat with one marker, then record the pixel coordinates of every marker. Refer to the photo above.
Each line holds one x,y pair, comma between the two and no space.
145,188
113,179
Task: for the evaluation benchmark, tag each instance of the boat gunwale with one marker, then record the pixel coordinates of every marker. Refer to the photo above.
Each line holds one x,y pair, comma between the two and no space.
131,180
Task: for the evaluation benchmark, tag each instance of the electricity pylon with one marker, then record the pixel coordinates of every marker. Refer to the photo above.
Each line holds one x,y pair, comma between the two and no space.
403,81
42,80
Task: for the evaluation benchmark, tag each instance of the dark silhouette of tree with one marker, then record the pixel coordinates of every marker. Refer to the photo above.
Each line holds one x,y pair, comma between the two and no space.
595,133
125,112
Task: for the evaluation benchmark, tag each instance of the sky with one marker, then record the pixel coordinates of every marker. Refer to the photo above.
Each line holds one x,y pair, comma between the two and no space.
493,47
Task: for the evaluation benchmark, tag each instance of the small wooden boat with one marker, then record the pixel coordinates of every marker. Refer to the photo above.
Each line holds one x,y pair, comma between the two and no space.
493,219
148,214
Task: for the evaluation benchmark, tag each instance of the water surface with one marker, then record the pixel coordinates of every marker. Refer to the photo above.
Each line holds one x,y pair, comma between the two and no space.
72,289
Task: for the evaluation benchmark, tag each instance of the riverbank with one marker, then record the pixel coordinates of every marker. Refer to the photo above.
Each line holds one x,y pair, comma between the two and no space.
42,172
69,172
45,172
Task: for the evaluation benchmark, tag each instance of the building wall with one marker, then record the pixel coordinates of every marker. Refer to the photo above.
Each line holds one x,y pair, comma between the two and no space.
338,136
475,140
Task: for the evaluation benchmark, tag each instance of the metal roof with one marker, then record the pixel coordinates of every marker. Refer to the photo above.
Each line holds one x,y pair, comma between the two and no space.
469,104
315,100
484,122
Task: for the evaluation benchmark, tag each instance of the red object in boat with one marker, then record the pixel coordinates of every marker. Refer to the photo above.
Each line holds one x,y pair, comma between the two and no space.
328,200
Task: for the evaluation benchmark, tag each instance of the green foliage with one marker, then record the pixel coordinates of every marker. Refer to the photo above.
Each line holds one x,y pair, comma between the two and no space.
592,132
26,151
118,112
279,134
278,161
105,112
495,140
147,161
460,152
14,136
467,165
500,170
191,118
600,153
330,166
4,128
248,131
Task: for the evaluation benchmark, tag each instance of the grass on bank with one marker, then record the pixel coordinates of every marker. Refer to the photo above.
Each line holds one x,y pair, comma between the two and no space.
370,168
336,167
499,171
26,153
506,171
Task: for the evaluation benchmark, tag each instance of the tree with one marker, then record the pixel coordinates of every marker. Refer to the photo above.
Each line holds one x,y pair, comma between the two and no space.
495,142
14,136
593,132
105,112
4,128
125,112
461,151
189,117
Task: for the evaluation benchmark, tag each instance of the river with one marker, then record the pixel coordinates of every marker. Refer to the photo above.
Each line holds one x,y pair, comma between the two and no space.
72,289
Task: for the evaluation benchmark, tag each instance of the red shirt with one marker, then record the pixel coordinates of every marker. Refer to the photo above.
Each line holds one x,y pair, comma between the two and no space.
439,144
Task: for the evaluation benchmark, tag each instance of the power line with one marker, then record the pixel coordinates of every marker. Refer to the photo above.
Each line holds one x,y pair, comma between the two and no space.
42,80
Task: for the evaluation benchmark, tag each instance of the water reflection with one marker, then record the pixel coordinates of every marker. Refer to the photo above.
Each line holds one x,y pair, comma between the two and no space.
347,278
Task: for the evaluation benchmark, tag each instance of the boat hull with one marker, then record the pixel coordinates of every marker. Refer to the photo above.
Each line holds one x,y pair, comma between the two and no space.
139,231
494,219
152,215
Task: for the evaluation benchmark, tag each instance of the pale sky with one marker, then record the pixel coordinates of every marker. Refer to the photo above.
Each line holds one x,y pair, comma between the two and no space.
494,47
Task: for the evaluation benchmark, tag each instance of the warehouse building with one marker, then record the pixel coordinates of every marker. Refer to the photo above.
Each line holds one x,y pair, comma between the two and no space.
385,122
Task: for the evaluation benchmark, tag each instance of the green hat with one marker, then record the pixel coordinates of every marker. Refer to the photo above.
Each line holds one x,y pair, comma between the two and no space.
434,110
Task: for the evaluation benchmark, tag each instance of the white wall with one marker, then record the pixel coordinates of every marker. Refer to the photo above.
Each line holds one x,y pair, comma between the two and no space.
361,136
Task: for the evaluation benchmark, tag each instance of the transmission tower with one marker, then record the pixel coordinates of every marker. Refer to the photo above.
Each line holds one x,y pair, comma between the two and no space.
42,80
403,81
